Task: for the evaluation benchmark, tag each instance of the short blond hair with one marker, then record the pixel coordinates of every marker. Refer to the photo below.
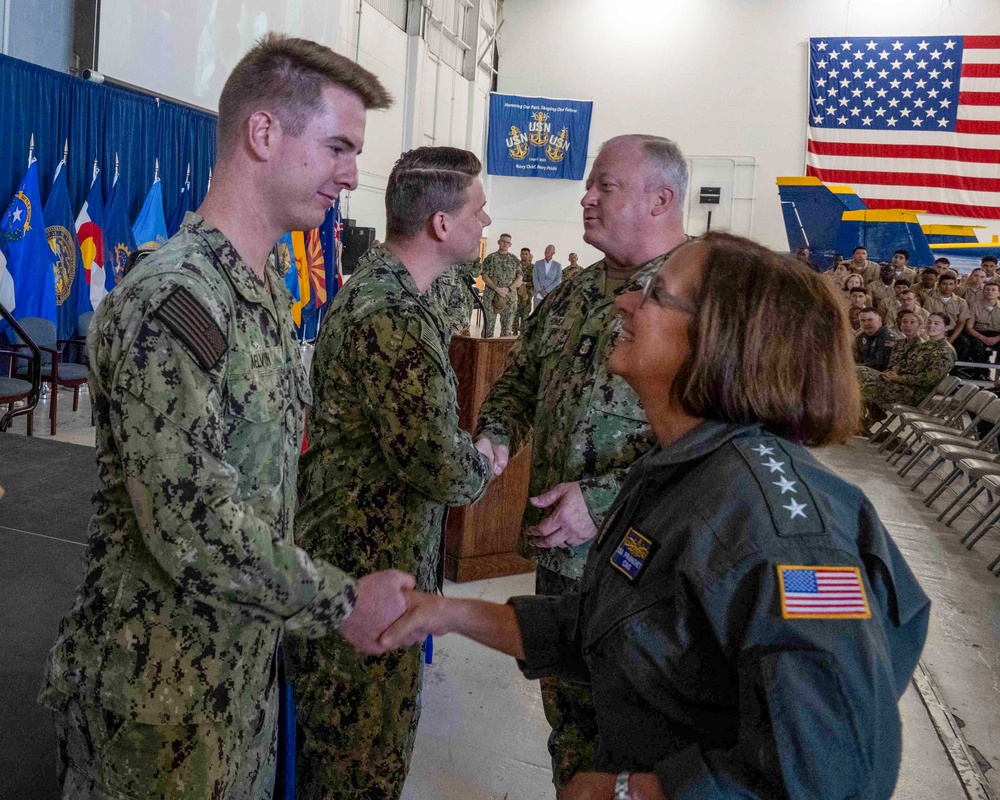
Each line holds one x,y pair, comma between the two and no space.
286,76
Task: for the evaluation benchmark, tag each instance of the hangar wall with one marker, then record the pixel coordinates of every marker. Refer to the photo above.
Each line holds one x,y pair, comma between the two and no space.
721,77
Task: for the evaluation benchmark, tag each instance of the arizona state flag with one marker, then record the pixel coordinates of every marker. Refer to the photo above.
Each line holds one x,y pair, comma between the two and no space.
301,260
90,235
72,292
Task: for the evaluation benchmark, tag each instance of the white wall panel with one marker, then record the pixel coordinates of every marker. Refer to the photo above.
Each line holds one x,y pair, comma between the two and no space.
721,77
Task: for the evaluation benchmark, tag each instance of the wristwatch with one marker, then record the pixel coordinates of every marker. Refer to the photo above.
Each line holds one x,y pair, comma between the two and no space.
621,786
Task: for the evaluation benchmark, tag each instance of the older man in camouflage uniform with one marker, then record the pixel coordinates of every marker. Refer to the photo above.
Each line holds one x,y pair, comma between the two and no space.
586,425
502,276
162,678
386,458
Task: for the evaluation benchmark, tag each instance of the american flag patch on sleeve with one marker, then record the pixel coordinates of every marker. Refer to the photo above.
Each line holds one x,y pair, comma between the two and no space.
822,593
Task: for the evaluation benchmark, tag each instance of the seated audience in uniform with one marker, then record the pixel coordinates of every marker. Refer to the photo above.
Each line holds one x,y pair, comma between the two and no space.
710,676
989,265
854,317
860,265
852,282
873,346
915,367
983,327
927,285
901,268
882,288
971,288
940,265
945,300
856,298
907,302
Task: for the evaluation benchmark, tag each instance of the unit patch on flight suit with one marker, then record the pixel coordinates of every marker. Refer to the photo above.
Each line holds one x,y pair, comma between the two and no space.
632,554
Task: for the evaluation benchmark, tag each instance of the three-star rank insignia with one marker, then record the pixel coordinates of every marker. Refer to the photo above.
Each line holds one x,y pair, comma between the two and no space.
632,554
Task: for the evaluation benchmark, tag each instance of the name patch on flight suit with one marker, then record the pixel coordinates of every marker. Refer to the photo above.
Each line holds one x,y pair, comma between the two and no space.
632,554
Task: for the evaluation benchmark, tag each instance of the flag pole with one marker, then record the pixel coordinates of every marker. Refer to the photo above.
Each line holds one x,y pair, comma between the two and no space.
156,170
187,177
96,170
31,150
116,168
65,151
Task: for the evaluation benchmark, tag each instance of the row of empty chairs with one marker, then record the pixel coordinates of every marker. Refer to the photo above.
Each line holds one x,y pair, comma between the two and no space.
15,386
953,435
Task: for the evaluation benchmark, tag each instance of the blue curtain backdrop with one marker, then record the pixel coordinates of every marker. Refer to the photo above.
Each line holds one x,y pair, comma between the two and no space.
98,121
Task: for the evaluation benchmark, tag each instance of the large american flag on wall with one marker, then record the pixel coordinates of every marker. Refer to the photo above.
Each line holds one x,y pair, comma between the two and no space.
908,121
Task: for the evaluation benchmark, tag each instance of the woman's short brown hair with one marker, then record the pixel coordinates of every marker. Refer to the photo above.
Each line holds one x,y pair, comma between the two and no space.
771,344
285,76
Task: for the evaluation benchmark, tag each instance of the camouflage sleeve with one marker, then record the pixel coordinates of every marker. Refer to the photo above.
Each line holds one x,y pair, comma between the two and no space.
167,411
935,363
508,412
599,492
411,406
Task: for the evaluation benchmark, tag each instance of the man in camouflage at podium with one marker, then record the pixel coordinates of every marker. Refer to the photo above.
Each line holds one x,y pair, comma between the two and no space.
502,276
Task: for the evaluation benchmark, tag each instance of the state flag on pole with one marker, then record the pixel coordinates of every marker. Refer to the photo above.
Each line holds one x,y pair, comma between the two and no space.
182,207
285,264
90,235
300,259
119,243
30,261
150,227
72,292
330,233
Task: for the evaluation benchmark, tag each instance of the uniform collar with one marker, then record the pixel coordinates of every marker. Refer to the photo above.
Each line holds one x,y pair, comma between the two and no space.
706,437
381,257
241,276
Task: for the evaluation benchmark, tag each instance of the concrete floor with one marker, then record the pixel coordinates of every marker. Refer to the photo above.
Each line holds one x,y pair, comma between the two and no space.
482,733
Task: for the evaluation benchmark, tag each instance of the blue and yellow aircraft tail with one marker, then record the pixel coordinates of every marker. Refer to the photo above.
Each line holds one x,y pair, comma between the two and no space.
831,219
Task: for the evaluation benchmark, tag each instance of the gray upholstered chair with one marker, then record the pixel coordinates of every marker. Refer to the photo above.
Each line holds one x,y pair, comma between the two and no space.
55,372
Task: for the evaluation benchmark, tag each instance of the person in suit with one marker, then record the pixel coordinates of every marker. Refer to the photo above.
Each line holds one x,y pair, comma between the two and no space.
546,275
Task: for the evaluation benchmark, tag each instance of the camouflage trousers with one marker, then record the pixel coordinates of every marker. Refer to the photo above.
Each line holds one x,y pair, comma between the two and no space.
523,308
101,756
506,314
569,707
357,718
877,393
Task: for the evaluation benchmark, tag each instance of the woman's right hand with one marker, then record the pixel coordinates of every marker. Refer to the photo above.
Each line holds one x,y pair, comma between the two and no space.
424,616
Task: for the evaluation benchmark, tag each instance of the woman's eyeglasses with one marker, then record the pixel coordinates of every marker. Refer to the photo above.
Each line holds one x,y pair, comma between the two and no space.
652,289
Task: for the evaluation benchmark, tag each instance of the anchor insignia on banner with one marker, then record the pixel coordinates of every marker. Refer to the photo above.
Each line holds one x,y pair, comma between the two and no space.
517,143
539,129
558,146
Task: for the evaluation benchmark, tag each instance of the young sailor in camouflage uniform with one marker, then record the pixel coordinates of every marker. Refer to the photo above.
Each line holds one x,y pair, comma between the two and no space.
501,274
915,367
586,425
386,458
162,678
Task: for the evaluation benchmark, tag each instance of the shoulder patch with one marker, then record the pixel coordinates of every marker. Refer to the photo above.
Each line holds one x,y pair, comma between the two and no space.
822,593
193,325
792,506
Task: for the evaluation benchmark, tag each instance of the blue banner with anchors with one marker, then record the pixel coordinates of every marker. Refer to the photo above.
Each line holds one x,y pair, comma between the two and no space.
538,137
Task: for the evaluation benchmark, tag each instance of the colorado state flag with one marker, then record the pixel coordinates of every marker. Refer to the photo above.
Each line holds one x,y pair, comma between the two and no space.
90,235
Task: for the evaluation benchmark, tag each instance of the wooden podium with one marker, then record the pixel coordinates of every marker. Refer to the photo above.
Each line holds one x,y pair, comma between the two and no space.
479,539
